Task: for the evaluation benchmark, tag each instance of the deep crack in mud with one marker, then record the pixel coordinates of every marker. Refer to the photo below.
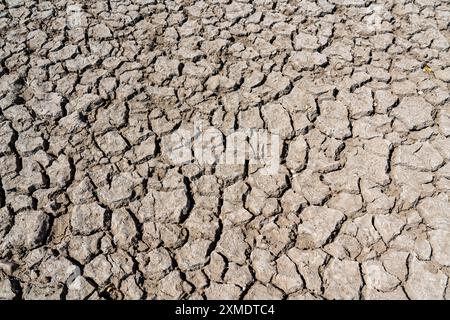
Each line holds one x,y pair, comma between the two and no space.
132,167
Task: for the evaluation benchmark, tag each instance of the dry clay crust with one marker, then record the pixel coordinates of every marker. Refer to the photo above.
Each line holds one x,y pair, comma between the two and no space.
91,206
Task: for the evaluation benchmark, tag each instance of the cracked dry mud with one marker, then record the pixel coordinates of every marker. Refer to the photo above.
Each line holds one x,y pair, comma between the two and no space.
91,207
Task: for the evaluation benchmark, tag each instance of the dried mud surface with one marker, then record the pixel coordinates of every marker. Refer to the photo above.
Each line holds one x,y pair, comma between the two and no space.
91,206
